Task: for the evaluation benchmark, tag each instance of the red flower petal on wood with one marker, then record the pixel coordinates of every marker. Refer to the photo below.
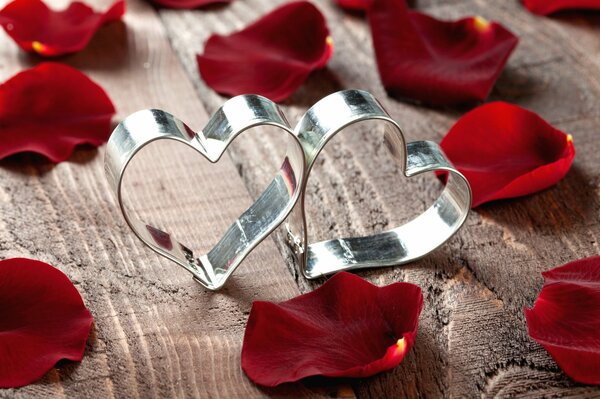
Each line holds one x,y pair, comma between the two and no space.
272,57
42,320
346,328
35,27
546,7
50,109
565,318
506,151
188,4
437,62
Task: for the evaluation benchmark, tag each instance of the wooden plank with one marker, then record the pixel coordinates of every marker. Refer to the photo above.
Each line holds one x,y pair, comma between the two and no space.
157,333
472,339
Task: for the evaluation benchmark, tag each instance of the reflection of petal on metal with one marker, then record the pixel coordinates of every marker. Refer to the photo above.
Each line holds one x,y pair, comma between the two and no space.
160,238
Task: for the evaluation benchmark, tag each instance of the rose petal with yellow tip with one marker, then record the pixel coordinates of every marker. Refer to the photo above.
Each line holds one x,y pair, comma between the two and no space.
506,151
37,28
426,60
346,328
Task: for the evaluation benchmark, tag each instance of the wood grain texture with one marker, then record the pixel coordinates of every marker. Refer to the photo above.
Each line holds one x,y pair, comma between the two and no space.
472,340
157,333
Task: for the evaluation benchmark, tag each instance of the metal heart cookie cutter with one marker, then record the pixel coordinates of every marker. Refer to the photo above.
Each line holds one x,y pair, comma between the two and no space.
284,197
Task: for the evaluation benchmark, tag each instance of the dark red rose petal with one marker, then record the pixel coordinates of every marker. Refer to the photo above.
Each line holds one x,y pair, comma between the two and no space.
50,109
346,328
354,5
272,57
188,4
35,27
565,319
546,7
42,320
506,151
437,62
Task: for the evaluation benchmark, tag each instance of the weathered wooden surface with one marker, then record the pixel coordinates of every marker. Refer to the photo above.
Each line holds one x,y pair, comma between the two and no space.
158,334
472,339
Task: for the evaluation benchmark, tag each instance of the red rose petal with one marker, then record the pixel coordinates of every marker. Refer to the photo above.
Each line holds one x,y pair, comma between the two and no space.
565,319
35,27
42,320
346,328
188,4
545,7
272,57
506,151
437,62
355,5
50,109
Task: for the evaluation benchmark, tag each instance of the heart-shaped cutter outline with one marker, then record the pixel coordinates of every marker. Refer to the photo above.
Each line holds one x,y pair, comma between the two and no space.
270,209
403,244
318,125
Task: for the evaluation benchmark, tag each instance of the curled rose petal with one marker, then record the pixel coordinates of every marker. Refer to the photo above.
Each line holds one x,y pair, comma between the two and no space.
506,151
50,109
42,320
346,328
35,27
272,57
437,62
188,4
565,319
546,7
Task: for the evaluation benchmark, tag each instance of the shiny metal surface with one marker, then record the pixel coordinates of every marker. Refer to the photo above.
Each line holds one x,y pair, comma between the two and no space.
400,245
286,192
268,211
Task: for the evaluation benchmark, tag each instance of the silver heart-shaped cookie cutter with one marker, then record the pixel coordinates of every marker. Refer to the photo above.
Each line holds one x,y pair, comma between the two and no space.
286,193
270,209
400,245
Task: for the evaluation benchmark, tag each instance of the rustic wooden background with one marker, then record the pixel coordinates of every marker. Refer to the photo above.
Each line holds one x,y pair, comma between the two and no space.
158,334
